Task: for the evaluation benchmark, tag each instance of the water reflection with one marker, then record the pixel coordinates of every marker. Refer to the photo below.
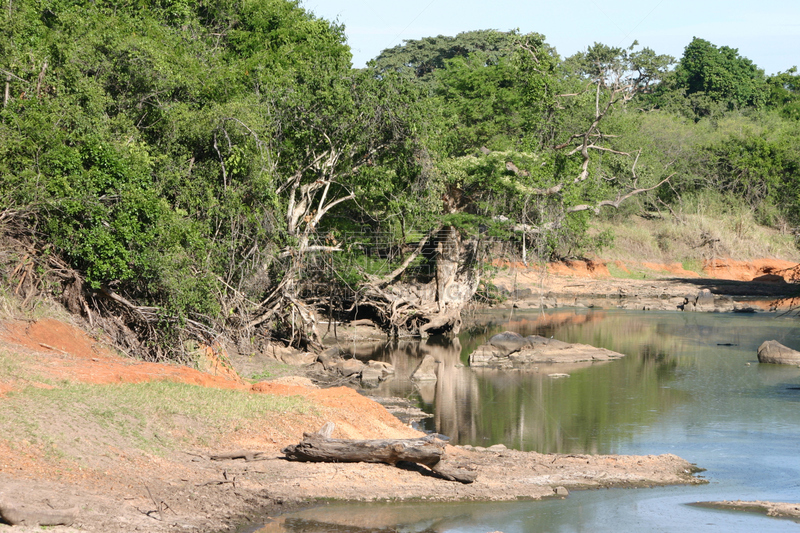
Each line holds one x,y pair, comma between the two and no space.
374,518
599,405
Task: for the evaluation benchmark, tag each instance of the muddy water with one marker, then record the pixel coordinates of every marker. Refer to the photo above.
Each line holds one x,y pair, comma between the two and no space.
690,385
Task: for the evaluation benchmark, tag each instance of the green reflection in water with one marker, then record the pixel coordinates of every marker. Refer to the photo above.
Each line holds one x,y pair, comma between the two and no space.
595,408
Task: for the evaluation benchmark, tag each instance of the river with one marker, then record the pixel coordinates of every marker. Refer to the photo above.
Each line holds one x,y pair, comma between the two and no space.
690,385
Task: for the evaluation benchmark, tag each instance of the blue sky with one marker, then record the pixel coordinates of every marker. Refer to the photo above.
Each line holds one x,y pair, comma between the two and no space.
766,32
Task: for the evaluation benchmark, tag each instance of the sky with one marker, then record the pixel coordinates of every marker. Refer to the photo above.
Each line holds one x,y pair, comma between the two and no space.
767,33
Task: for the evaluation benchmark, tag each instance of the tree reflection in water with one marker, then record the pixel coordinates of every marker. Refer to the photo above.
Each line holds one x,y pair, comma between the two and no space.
599,405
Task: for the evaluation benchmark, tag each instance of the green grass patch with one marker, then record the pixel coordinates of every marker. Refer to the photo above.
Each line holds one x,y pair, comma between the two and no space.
153,417
273,371
12,306
12,370
693,265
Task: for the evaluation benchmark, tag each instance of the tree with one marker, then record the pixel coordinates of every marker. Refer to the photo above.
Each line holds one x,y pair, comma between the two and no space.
174,155
784,93
419,59
538,179
721,74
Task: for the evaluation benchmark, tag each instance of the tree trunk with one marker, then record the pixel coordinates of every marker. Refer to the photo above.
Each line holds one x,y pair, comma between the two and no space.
456,282
431,304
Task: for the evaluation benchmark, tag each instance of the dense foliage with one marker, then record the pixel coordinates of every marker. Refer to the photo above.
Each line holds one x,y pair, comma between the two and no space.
198,157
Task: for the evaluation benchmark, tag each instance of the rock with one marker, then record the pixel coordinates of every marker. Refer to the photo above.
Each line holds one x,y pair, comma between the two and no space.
298,358
497,448
371,377
551,343
384,367
22,514
561,491
375,372
348,367
484,354
558,375
704,301
537,349
426,371
329,358
287,355
776,353
508,342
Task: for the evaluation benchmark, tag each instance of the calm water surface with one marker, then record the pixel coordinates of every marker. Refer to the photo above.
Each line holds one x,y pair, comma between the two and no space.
685,387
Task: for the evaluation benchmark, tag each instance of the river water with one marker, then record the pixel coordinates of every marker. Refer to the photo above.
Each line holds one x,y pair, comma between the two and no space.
690,384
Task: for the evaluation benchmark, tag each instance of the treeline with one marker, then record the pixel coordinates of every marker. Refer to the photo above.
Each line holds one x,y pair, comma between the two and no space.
179,166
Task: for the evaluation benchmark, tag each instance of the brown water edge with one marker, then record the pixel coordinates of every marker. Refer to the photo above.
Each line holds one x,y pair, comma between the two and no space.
504,476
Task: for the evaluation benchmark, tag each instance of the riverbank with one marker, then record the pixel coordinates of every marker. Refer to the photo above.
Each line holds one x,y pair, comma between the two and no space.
130,446
722,285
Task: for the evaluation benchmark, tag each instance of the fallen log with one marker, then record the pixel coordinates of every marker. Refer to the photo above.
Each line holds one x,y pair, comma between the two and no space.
21,514
427,451
319,447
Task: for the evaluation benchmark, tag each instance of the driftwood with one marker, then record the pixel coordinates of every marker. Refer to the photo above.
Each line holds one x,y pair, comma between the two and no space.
20,514
427,451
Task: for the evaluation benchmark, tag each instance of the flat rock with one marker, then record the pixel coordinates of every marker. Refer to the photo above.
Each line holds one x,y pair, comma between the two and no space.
382,366
298,358
537,349
371,377
775,509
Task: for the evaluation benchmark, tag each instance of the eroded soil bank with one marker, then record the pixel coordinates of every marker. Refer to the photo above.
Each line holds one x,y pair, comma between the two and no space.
165,479
721,286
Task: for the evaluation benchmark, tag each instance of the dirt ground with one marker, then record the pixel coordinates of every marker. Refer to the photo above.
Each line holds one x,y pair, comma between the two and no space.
119,488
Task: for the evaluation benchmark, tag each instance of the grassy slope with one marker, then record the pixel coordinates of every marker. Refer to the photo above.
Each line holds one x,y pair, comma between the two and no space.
70,418
693,239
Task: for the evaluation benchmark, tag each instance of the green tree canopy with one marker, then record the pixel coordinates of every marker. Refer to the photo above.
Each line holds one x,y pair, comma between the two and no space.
721,74
784,93
419,58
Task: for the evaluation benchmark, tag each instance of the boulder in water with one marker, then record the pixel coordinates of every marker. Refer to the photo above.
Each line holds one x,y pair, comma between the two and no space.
776,353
